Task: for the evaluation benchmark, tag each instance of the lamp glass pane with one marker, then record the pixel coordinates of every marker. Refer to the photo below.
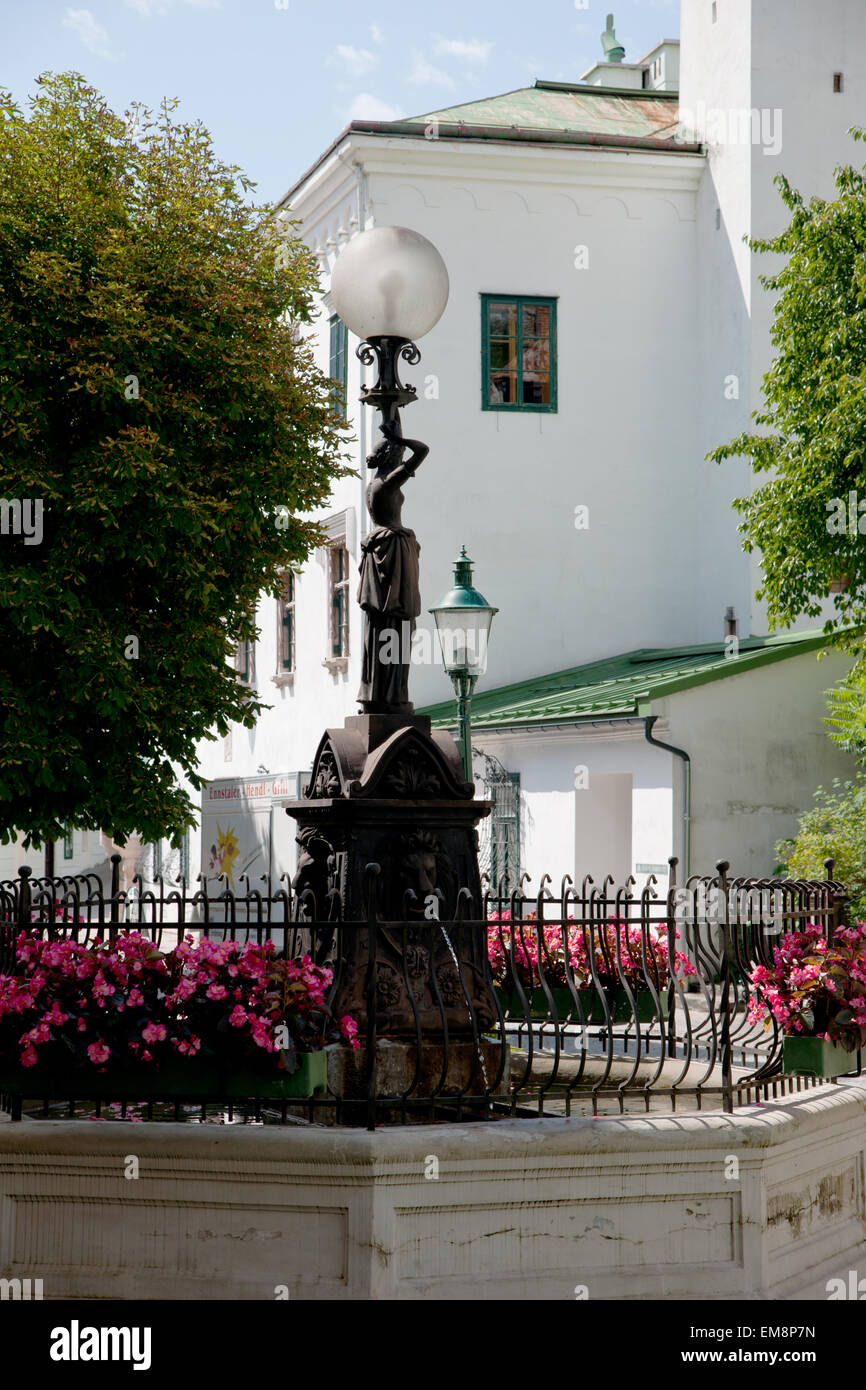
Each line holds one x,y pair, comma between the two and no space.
463,634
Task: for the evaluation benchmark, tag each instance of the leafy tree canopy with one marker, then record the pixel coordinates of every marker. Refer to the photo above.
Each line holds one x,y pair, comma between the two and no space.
834,828
161,411
809,517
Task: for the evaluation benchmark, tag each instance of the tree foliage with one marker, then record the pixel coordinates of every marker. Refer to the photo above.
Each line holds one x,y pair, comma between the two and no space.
835,828
157,399
809,517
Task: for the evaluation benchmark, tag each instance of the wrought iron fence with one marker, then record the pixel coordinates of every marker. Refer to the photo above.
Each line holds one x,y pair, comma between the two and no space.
574,1001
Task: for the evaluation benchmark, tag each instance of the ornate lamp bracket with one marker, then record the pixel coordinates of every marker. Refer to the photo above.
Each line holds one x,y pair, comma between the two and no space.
388,394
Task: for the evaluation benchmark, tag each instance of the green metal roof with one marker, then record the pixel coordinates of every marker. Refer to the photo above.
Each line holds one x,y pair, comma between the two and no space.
577,108
551,113
622,686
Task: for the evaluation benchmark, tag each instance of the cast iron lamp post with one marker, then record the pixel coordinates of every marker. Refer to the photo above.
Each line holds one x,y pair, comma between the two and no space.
389,286
387,826
463,619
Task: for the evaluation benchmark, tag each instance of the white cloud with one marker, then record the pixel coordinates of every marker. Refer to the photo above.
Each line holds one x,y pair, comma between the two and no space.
424,74
91,34
357,60
366,107
148,8
466,51
376,34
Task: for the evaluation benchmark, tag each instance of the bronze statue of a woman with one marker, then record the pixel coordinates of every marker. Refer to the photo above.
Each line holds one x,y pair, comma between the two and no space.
389,591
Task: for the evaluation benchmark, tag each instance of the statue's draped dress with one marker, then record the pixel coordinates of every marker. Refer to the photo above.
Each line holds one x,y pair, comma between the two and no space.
390,595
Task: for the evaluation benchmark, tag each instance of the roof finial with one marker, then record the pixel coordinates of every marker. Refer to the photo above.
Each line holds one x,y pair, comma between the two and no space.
611,47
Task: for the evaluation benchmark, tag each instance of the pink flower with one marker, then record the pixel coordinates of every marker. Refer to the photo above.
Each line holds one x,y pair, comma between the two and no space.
217,992
29,1057
98,1052
154,1032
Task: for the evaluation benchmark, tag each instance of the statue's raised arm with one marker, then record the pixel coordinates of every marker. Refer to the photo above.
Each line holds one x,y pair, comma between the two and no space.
404,469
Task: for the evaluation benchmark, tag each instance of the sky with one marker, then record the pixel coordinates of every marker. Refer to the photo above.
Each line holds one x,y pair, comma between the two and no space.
275,81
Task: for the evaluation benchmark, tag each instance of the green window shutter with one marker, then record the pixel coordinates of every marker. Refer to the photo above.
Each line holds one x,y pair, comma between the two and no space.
339,601
337,369
518,353
288,624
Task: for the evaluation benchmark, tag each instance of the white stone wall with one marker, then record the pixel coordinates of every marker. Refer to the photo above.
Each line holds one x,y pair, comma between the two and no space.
758,751
626,1208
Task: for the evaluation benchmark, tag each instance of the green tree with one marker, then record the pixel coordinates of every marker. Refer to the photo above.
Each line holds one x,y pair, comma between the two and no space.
159,404
834,828
812,433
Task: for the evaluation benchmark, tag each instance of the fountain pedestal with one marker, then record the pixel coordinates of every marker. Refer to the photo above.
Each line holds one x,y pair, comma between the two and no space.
386,791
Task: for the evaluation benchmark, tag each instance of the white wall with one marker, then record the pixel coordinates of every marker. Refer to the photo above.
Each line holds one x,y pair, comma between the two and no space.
603,823
758,751
565,785
776,58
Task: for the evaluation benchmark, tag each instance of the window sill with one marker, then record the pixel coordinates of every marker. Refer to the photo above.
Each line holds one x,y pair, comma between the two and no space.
284,680
337,665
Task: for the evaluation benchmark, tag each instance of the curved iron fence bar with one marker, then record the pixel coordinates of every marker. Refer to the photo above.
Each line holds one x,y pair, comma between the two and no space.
545,963
653,978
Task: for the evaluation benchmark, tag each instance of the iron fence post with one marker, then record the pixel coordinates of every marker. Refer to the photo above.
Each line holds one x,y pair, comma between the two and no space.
672,938
725,1004
115,895
24,897
839,914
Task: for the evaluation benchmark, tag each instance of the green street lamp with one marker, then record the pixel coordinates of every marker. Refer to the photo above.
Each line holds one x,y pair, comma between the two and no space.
463,619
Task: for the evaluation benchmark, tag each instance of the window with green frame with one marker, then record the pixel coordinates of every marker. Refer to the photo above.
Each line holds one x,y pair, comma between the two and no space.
67,844
245,662
503,789
287,623
518,352
337,367
339,595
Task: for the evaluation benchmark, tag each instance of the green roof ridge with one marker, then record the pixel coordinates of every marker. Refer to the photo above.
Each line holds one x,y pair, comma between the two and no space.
623,684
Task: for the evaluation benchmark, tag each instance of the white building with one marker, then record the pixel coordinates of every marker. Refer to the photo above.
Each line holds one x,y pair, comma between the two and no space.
605,217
